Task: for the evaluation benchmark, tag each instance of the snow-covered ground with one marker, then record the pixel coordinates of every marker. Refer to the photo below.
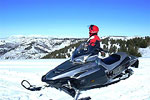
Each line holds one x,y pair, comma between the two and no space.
145,52
12,72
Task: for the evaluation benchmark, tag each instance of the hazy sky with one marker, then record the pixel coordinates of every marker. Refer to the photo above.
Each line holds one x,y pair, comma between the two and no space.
70,18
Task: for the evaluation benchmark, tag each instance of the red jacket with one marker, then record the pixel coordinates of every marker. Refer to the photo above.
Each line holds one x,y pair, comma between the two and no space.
94,44
94,41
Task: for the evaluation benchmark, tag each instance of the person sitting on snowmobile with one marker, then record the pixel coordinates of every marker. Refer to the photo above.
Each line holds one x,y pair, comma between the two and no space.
94,40
91,47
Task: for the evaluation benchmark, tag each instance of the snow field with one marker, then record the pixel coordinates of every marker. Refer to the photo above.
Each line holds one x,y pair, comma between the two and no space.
12,72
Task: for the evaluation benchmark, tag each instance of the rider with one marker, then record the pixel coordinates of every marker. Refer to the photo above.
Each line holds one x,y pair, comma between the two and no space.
92,45
94,40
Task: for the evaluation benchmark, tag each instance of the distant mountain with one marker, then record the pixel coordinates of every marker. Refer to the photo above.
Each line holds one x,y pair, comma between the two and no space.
32,47
21,47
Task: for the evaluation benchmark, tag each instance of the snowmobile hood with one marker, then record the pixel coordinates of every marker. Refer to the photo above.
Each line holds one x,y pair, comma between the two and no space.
71,70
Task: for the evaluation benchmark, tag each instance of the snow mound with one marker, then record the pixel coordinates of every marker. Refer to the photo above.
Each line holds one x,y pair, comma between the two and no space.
145,52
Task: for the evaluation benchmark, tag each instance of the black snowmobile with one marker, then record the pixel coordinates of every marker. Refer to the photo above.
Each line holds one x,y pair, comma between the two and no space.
85,71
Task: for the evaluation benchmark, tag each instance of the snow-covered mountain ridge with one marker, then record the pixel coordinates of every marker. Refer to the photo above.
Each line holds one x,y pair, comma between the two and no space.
31,47
35,47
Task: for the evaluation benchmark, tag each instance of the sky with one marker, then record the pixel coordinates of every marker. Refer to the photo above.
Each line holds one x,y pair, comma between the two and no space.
71,18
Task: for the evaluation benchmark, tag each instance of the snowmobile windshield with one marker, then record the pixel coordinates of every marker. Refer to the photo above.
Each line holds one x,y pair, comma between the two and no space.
80,53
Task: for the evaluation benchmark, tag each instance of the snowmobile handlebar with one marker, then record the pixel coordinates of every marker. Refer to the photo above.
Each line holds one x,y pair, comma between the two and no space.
102,50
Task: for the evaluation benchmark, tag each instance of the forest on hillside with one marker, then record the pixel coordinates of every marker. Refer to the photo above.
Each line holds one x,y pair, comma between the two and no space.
130,46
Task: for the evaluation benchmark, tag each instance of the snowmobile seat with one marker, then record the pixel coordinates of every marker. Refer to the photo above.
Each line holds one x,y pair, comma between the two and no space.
111,59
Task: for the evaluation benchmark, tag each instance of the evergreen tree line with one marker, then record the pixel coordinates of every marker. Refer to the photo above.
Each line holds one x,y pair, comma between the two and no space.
64,52
130,46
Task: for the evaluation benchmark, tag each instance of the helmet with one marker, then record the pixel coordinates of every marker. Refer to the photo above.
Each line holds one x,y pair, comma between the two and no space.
93,29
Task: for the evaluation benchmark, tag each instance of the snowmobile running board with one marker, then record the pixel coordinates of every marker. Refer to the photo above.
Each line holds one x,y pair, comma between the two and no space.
30,87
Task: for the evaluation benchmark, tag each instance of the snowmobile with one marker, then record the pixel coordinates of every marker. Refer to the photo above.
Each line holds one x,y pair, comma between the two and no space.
86,71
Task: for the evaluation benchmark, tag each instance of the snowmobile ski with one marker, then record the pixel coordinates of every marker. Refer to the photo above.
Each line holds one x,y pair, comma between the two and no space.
26,84
86,98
